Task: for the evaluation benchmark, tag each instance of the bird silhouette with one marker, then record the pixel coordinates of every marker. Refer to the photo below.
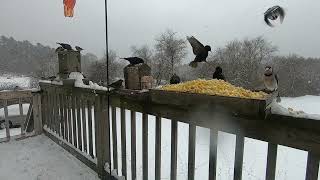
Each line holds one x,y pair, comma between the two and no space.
199,50
273,13
60,49
65,46
271,82
218,74
134,60
175,79
117,84
78,48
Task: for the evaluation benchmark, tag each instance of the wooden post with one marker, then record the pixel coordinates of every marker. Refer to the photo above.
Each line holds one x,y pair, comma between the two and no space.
37,116
103,137
6,119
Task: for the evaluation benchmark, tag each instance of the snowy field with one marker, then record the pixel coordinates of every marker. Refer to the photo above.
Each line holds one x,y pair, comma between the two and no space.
39,158
8,82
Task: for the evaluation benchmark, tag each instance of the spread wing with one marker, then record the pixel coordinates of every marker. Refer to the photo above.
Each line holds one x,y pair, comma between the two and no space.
197,47
266,19
281,13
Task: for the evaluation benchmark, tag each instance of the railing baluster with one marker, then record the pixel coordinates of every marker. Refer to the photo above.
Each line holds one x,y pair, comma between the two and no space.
114,139
49,111
271,161
53,112
90,128
213,154
74,121
312,167
62,115
79,123
174,148
238,159
123,142
84,125
133,145
158,149
65,114
6,119
145,146
56,113
69,120
21,116
192,151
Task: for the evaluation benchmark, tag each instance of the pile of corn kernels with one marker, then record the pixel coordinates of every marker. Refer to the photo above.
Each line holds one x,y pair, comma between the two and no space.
214,87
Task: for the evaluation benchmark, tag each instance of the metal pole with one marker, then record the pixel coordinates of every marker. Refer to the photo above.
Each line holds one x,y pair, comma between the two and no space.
108,95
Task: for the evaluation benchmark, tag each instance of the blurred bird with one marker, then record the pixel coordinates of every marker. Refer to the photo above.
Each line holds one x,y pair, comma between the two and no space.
51,78
175,79
273,13
65,46
59,49
218,74
78,48
134,60
199,50
117,84
271,81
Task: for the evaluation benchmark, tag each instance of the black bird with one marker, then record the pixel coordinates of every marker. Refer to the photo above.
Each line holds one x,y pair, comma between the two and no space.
78,48
51,78
65,46
199,50
273,13
134,60
116,85
59,49
218,74
175,79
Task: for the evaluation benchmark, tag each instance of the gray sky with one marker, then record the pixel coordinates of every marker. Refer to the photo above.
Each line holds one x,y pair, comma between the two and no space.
137,22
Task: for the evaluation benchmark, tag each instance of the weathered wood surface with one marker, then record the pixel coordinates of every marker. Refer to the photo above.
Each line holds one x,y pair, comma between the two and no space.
312,167
174,149
133,145
213,154
158,149
145,146
271,161
8,95
192,152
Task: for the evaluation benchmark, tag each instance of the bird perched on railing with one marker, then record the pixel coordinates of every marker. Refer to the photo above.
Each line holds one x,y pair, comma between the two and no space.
271,81
175,79
134,60
79,48
273,13
65,46
218,74
116,85
199,50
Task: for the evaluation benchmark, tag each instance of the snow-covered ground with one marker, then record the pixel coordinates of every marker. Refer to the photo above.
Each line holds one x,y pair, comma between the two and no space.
42,159
8,82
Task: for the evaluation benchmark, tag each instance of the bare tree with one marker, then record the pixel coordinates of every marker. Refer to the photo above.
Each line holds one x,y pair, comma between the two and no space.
170,50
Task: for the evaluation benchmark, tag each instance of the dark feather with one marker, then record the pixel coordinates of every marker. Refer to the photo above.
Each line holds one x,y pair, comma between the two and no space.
65,46
197,47
134,60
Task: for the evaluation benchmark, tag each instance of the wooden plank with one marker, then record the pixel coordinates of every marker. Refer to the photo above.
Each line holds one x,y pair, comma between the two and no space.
123,142
58,115
192,151
174,148
65,115
37,116
74,121
312,166
84,125
213,154
133,145
90,128
114,139
21,115
238,159
78,106
8,95
49,111
69,120
5,102
103,137
271,161
158,149
62,113
145,146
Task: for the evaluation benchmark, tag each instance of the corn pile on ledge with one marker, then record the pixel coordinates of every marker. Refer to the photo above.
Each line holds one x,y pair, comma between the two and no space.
214,87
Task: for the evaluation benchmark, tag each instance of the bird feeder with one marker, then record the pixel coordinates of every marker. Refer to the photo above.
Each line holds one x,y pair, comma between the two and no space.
137,77
69,61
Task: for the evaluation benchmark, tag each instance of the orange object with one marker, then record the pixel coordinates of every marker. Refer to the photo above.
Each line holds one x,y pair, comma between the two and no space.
68,7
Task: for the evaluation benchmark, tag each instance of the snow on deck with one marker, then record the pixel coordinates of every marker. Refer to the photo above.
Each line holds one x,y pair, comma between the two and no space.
42,159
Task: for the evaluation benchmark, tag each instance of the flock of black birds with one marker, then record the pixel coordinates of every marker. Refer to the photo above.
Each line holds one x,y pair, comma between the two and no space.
201,53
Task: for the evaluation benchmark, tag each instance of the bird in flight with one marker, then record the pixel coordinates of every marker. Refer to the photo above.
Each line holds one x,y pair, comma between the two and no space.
134,60
199,50
273,13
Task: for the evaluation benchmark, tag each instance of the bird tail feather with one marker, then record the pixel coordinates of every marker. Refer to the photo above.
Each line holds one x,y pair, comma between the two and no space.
193,64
